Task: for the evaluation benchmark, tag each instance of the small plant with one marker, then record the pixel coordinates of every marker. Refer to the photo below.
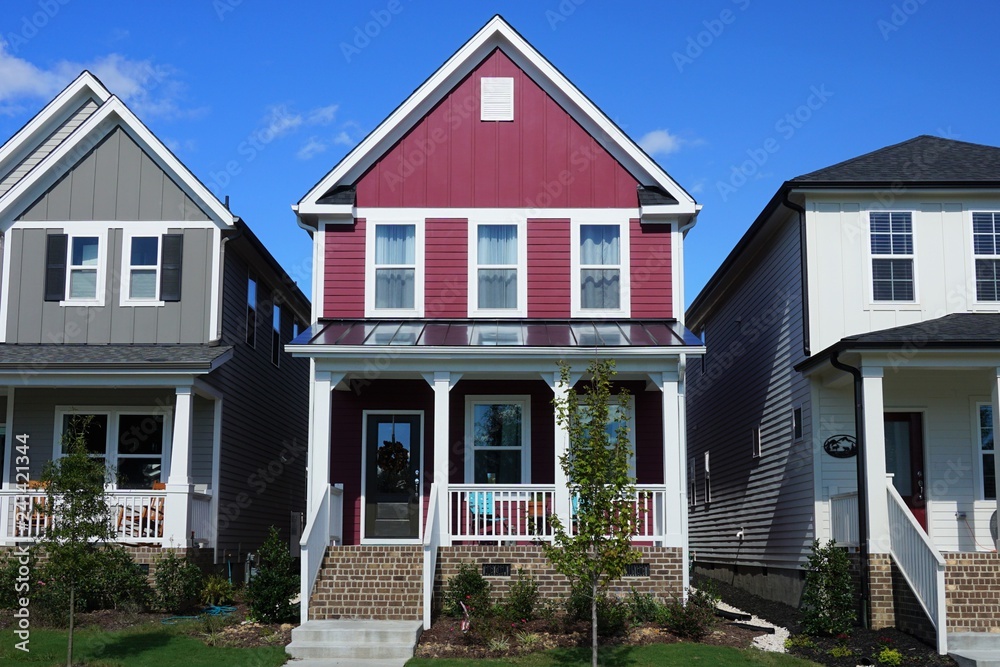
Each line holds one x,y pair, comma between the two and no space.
178,583
470,588
529,641
643,607
799,642
828,597
840,652
498,644
692,620
889,656
270,591
216,591
521,599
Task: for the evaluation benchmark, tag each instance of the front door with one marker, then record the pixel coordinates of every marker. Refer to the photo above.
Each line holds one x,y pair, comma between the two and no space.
904,458
393,454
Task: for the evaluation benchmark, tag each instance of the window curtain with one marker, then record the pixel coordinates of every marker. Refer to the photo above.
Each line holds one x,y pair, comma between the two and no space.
395,245
497,245
599,246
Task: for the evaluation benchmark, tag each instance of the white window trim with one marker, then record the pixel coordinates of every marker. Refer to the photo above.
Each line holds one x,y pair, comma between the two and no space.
708,480
111,451
522,270
755,442
798,423
418,287
870,274
364,477
158,232
692,483
524,401
974,282
977,456
625,278
88,231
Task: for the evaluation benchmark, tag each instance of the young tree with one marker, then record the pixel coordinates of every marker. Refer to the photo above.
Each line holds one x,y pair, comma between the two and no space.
597,547
77,512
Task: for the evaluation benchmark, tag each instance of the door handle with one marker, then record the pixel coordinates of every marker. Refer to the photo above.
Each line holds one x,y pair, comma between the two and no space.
920,485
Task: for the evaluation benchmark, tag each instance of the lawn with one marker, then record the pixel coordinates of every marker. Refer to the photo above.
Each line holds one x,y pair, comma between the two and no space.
653,655
160,645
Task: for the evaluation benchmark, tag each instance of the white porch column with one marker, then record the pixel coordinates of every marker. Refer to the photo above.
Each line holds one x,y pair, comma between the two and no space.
674,460
875,480
996,425
561,501
177,511
318,471
442,382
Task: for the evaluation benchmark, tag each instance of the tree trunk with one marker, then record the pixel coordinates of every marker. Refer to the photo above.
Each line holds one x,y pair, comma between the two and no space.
72,611
593,625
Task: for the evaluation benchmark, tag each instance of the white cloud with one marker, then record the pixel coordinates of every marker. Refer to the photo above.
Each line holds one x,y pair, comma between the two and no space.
698,187
343,139
348,134
323,115
661,142
311,149
279,121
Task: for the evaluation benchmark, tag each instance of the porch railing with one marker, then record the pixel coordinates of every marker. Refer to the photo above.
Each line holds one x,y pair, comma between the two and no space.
844,519
432,540
920,563
201,519
521,512
135,516
325,526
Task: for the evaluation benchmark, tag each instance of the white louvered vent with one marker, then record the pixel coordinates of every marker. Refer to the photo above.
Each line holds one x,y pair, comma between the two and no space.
497,98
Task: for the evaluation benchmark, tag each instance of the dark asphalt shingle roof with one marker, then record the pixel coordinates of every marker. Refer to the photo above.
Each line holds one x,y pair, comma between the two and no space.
650,195
144,356
921,159
955,329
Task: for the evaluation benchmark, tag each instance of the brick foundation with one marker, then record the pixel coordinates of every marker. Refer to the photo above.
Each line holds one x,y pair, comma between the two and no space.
972,585
384,583
146,555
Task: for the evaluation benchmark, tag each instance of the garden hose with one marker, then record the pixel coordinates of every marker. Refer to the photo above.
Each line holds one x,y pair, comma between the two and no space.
210,610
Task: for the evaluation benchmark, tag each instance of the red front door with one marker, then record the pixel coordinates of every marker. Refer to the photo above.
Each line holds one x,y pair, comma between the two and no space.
904,458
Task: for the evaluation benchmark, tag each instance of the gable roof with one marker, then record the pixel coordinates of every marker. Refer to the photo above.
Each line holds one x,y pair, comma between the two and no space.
924,159
110,114
497,33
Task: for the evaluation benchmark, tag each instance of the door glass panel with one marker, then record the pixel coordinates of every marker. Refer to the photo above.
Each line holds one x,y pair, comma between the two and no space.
392,463
897,456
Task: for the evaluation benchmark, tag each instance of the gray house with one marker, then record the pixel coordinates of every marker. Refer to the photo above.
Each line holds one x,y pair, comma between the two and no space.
130,295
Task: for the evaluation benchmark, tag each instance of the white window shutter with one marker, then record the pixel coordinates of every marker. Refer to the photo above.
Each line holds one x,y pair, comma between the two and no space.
497,98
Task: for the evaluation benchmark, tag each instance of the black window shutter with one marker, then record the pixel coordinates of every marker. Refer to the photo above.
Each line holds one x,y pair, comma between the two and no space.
170,269
55,267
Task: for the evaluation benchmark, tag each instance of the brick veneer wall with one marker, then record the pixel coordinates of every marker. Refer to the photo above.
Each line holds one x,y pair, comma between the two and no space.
370,582
972,591
145,555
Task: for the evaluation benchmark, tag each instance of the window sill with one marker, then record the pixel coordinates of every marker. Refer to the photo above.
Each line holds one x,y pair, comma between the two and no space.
93,303
139,303
511,313
391,313
599,313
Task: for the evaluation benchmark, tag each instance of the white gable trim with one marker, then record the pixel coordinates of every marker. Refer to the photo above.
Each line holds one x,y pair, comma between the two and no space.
85,83
495,34
113,111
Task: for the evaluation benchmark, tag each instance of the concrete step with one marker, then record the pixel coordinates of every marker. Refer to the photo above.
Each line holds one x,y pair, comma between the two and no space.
336,662
975,641
975,658
355,641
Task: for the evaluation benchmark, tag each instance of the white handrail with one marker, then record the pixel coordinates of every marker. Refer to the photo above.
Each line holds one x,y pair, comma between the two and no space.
337,514
312,549
432,540
844,519
920,563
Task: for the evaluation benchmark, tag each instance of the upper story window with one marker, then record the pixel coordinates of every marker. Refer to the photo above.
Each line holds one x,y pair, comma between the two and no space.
892,256
986,248
395,277
143,268
276,335
84,261
498,285
251,310
600,270
73,274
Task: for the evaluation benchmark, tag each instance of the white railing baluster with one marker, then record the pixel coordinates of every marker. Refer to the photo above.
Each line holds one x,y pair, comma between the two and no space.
844,519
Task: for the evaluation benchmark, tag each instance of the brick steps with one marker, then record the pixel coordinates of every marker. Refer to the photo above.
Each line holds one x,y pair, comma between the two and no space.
374,582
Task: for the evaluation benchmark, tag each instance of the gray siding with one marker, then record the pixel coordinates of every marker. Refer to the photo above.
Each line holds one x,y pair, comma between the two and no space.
754,338
31,319
116,180
56,137
202,430
265,411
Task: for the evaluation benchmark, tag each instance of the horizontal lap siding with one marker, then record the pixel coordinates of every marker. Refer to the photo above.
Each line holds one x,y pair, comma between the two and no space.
548,268
344,266
543,158
447,259
651,263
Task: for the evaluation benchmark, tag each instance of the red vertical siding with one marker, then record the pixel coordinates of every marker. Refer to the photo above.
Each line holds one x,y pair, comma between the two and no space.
446,284
344,282
543,158
651,264
648,407
548,268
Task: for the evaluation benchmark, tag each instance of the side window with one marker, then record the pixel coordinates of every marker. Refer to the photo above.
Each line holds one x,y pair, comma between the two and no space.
251,310
276,335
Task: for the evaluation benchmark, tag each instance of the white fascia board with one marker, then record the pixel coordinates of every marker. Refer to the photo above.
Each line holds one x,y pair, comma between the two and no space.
85,84
170,378
496,33
111,111
485,352
331,210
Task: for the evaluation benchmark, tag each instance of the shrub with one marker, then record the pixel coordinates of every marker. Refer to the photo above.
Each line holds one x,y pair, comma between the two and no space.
276,582
612,612
889,656
118,581
469,587
178,583
693,620
828,597
9,584
217,590
642,607
521,599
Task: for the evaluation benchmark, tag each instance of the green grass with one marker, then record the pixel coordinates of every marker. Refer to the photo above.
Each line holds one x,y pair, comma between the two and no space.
160,645
653,655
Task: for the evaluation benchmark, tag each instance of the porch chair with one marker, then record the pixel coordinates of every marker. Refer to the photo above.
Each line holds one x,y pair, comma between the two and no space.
30,517
481,504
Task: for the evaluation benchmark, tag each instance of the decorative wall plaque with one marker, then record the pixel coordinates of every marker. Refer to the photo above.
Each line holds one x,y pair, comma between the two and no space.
841,446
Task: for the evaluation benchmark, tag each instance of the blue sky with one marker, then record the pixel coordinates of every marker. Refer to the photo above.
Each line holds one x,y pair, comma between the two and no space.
703,86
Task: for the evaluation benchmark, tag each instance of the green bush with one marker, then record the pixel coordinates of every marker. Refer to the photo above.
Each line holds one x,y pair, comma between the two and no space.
828,596
9,593
521,599
470,588
217,590
643,607
276,582
178,583
693,620
612,612
118,581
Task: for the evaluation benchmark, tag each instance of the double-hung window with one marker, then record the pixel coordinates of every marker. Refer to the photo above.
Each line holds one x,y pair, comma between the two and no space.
74,272
600,267
986,247
497,450
891,235
395,267
498,284
151,269
83,268
987,451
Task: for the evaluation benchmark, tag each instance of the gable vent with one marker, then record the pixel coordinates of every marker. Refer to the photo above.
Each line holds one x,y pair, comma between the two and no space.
497,98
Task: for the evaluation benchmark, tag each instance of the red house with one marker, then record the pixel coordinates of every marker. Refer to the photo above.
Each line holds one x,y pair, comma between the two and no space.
495,223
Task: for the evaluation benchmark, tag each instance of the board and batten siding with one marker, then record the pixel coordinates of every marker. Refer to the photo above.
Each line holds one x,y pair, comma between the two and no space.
754,338
31,319
62,130
265,415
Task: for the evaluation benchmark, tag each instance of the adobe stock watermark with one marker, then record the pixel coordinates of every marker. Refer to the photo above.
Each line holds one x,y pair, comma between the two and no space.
32,23
900,14
250,148
786,127
363,35
223,7
702,40
22,583
565,9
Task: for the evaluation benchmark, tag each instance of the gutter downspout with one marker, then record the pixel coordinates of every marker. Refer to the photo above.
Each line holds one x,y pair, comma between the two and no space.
803,272
859,421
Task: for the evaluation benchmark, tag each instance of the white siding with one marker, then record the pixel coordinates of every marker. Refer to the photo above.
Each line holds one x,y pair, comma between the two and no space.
754,338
